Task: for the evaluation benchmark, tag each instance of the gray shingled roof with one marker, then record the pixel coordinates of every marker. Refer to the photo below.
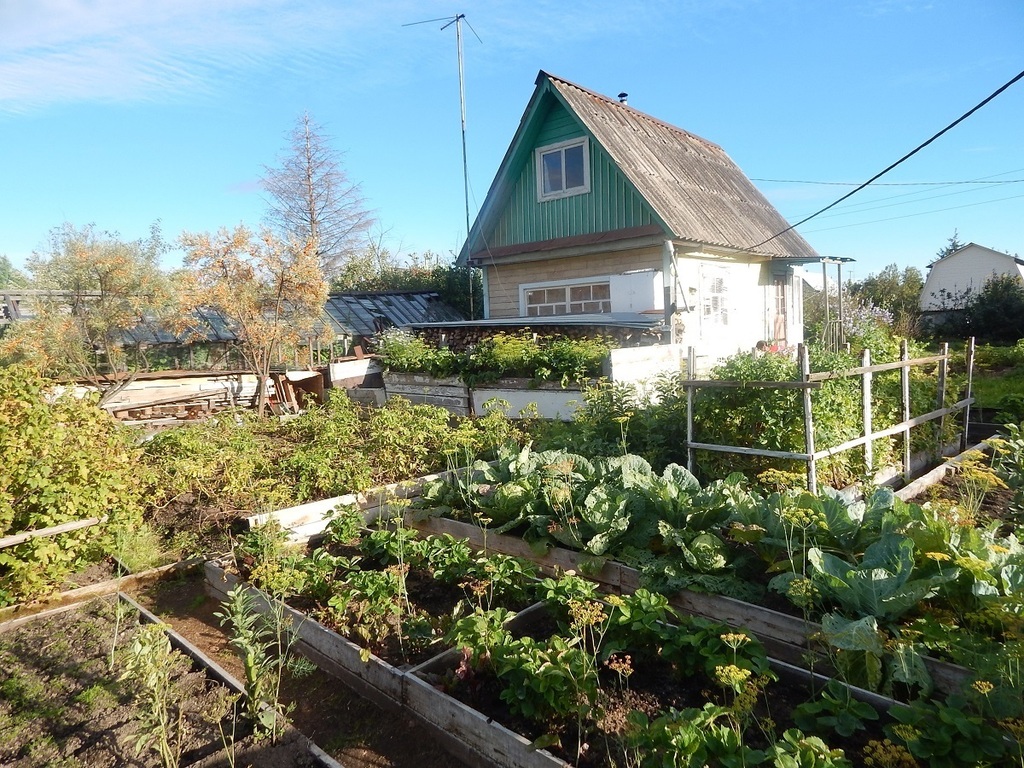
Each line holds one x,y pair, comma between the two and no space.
364,314
692,184
696,191
350,314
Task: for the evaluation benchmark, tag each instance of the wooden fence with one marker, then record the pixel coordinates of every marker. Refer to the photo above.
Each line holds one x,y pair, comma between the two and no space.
809,382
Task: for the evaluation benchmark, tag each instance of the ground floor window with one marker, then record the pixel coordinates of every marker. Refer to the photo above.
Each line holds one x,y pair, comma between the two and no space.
716,298
575,299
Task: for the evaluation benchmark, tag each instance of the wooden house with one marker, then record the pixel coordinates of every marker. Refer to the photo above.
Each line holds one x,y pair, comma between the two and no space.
599,209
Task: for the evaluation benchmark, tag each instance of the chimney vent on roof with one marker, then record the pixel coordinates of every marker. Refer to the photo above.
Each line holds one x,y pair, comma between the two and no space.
622,98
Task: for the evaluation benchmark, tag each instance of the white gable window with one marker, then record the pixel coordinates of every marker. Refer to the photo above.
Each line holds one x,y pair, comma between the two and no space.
572,299
563,169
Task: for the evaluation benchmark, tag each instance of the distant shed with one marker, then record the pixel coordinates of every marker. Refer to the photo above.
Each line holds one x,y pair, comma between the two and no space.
357,316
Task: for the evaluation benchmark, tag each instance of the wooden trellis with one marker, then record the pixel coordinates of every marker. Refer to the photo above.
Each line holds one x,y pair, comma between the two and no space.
808,382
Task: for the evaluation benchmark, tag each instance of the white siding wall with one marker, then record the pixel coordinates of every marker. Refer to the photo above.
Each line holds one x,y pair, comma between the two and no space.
745,304
968,268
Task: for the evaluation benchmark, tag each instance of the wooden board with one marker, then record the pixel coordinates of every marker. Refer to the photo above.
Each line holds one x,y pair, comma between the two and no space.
74,596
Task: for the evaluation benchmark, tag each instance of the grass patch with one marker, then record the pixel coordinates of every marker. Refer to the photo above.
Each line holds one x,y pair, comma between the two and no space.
96,696
995,389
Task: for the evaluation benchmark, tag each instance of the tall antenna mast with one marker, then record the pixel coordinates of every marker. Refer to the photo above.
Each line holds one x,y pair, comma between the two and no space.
457,21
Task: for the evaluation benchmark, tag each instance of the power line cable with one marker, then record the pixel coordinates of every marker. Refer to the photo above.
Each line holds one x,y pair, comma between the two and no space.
865,207
919,213
918,192
891,183
907,156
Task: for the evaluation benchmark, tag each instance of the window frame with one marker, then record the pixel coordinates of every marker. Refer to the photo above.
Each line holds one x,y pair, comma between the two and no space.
561,147
566,287
715,303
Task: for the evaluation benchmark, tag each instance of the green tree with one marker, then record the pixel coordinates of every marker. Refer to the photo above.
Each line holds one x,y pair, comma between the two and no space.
101,300
9,276
996,312
897,292
365,267
272,291
953,244
313,199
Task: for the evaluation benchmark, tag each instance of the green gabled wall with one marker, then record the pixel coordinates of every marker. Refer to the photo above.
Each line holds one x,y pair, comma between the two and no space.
611,204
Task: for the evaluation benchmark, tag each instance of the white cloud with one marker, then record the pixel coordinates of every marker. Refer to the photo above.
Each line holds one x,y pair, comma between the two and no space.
57,51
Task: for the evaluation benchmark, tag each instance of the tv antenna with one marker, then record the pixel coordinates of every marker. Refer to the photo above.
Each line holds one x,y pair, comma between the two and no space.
457,20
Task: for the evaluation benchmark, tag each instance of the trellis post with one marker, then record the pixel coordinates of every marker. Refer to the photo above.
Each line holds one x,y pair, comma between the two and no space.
905,398
865,395
805,378
691,363
970,382
941,394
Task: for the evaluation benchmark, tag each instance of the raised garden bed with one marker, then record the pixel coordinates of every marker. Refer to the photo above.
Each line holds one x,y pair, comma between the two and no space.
388,686
488,737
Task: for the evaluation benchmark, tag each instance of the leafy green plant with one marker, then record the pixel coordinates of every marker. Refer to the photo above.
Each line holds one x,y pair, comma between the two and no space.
64,460
606,507
795,750
327,457
263,642
150,666
157,674
266,557
524,355
544,680
368,605
689,737
946,736
404,352
833,710
881,585
227,460
1008,462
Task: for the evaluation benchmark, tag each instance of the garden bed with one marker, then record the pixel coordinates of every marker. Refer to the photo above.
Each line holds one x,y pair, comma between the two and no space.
786,633
328,705
388,686
478,728
64,703
787,637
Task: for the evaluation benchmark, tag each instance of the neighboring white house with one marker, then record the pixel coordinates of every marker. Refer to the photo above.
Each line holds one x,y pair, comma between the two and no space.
966,269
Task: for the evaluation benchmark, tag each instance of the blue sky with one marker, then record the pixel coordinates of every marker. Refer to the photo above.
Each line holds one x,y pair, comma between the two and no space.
124,112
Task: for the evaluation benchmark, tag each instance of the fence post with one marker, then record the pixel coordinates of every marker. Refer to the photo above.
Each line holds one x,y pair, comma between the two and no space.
805,373
970,382
691,363
941,395
865,395
905,397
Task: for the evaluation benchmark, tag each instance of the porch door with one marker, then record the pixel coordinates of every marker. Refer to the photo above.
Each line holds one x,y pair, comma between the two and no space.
779,320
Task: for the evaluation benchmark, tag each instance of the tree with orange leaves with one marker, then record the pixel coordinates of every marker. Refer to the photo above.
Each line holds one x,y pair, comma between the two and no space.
98,305
271,291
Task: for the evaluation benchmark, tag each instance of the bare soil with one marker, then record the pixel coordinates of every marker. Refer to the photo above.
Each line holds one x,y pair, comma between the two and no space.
62,704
